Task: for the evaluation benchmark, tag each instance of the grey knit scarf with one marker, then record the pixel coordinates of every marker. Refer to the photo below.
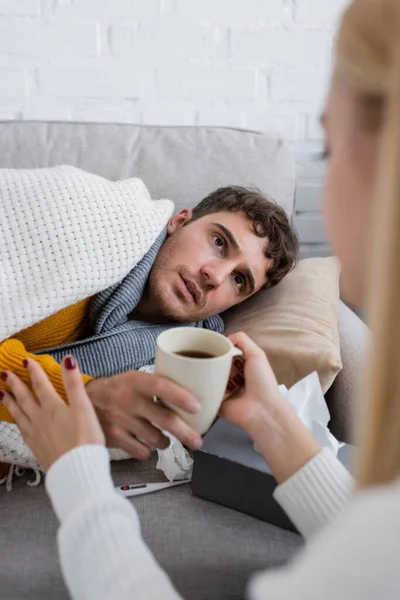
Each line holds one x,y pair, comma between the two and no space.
119,344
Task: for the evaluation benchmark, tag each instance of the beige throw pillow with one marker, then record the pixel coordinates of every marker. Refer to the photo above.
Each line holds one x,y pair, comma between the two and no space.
296,322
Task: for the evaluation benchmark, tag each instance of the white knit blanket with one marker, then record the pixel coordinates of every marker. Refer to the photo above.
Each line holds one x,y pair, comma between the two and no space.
65,235
13,450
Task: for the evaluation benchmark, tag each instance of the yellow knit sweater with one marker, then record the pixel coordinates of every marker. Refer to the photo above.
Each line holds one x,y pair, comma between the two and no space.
64,327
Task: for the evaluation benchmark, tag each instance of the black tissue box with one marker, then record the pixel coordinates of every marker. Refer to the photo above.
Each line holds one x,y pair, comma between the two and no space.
228,470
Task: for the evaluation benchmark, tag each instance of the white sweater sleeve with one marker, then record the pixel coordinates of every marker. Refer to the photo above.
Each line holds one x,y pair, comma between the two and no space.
315,495
354,558
102,554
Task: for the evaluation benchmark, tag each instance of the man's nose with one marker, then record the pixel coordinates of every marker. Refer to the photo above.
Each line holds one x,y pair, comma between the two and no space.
215,273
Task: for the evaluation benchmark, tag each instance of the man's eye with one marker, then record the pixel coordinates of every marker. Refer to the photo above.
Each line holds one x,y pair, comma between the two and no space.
239,281
219,241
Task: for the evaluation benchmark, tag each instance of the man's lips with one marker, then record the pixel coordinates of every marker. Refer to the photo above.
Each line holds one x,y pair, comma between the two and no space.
184,290
190,290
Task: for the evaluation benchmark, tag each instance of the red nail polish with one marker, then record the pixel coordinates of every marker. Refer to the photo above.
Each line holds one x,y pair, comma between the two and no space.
25,363
238,379
4,376
1,395
70,363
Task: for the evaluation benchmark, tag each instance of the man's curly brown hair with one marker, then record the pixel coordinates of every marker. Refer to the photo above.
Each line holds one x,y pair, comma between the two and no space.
270,221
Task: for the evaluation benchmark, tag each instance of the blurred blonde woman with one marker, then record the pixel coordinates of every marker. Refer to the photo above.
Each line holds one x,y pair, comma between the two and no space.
352,529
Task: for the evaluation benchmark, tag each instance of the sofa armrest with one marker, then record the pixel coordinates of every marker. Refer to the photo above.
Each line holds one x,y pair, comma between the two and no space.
341,396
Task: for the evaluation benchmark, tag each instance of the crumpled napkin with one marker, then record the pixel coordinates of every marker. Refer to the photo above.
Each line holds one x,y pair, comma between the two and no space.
175,461
306,399
308,402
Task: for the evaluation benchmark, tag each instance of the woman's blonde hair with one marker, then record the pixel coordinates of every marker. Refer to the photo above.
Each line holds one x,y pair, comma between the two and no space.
368,61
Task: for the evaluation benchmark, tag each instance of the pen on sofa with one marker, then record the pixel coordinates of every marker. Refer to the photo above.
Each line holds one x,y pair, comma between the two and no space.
146,488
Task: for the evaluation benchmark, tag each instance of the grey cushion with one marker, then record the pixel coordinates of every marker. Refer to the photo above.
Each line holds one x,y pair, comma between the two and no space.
208,550
180,163
354,336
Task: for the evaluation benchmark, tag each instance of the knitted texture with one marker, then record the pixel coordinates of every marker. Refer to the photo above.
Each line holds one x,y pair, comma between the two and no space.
12,354
65,326
15,453
130,231
120,343
66,235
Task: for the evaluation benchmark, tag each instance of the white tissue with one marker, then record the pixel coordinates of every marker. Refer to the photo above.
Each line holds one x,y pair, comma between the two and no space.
308,402
306,399
175,461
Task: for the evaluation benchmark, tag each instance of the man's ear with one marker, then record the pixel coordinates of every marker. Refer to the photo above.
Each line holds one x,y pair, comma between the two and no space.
179,220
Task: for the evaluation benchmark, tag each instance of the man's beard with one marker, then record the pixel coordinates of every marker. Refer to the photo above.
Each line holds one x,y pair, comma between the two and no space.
167,304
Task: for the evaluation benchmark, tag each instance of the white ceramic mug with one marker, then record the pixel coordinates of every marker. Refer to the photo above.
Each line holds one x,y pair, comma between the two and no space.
206,378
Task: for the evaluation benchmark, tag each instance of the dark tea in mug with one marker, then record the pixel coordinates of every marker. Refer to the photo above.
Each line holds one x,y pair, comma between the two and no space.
195,354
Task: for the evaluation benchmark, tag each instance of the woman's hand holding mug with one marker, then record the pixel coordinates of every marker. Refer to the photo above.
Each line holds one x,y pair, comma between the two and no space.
257,407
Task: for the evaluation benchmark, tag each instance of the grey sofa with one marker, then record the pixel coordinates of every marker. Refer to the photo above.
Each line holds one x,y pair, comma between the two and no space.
209,551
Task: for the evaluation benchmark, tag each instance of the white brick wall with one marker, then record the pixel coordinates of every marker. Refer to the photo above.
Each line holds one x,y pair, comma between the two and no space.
242,63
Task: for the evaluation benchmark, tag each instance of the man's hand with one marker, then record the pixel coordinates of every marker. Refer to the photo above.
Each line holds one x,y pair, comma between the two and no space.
130,418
